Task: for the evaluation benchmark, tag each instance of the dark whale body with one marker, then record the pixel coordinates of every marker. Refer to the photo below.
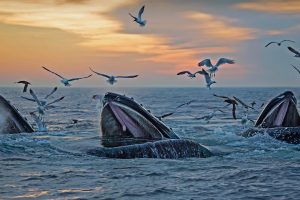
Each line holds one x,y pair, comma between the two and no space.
10,119
279,119
130,131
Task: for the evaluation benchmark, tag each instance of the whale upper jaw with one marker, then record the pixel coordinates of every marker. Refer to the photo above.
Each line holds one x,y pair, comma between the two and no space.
281,111
10,119
123,122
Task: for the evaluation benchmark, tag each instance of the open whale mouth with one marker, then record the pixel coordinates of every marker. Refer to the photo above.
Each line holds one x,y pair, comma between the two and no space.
123,120
281,111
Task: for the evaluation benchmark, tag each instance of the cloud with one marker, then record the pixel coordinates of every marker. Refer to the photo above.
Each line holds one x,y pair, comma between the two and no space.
221,29
272,6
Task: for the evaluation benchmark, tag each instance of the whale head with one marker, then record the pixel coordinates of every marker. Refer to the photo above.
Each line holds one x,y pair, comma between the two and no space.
124,121
281,111
10,119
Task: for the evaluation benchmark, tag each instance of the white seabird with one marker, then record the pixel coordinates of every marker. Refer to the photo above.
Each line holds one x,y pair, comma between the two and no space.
207,77
66,81
113,79
139,19
213,68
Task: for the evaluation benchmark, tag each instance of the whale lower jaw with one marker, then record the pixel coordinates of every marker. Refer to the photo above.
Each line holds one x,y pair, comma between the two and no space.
163,149
287,134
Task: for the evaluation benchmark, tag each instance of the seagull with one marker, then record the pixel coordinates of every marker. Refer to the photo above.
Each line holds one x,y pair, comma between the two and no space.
296,68
112,79
279,43
176,108
139,19
213,68
206,117
45,99
207,77
243,104
66,81
253,103
230,101
297,54
26,83
42,106
189,74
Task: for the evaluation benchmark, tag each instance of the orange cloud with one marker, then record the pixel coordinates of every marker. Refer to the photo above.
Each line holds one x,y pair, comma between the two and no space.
272,6
221,29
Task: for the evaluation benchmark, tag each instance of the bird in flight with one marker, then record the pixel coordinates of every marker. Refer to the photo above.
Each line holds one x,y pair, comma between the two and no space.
296,68
42,105
189,74
297,54
279,43
175,110
213,68
66,81
26,83
207,77
113,79
139,19
229,101
44,100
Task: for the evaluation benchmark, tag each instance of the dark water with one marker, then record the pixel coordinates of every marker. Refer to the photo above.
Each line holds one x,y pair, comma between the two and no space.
54,165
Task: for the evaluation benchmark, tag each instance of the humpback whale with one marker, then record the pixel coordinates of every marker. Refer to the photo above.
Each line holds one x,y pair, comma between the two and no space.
10,119
131,131
280,119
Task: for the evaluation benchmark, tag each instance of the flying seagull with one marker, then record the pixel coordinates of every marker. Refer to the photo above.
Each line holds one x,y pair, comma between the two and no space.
42,106
207,77
139,19
189,74
229,101
176,108
66,81
213,68
297,54
296,68
279,43
243,104
26,83
44,100
207,117
112,79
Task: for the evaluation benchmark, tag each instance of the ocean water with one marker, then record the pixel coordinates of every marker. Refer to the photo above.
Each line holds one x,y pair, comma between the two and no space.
54,164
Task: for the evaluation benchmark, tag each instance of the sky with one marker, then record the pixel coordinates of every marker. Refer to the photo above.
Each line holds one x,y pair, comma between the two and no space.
69,36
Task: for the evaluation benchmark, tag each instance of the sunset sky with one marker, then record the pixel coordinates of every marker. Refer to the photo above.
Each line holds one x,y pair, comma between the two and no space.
69,36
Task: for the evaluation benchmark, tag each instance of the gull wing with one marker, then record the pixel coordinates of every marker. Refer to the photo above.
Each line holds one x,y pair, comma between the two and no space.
222,61
206,63
184,72
223,97
75,79
29,99
287,41
135,18
270,43
52,92
53,72
35,97
186,103
106,76
242,103
293,50
131,76
55,101
165,115
141,12
296,69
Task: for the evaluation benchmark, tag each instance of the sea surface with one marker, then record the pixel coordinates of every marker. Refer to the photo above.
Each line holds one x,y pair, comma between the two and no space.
55,165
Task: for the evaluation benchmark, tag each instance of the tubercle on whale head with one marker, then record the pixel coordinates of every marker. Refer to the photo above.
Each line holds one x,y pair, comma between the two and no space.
281,111
123,118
